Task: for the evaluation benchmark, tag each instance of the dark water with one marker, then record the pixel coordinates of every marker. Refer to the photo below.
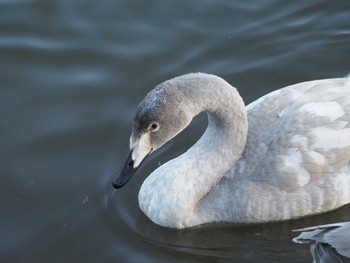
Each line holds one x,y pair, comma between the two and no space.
71,75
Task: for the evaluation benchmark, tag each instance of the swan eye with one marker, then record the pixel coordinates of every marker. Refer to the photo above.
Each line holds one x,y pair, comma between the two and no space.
154,127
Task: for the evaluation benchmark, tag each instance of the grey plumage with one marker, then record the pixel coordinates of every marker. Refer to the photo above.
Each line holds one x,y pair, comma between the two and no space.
335,235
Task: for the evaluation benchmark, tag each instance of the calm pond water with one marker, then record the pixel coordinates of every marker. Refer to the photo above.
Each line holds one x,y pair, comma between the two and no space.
72,74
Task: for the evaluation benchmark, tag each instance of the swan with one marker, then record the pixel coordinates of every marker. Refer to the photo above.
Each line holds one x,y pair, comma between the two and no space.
336,235
284,156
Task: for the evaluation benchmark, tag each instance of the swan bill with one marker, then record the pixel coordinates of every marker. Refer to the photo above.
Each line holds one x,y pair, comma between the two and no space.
127,172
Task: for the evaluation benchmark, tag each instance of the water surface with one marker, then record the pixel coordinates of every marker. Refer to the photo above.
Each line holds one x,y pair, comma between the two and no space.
72,74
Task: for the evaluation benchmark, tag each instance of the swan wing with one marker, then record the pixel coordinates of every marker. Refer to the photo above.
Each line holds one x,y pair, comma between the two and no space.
300,135
336,235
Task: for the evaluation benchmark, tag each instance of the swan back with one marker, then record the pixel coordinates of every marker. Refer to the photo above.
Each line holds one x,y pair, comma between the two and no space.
300,145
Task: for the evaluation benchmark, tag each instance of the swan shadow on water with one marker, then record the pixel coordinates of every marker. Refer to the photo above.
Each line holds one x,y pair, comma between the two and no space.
329,243
282,157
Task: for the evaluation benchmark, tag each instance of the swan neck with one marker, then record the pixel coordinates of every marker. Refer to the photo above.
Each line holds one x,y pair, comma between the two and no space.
224,140
226,135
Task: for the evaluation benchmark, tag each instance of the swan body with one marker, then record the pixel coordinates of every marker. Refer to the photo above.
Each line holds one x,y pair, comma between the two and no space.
283,156
336,235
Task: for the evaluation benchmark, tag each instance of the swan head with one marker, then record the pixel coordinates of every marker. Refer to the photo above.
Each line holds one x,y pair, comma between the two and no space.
160,116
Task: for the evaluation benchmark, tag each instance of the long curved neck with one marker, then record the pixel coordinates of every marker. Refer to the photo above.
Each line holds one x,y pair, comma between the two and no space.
170,194
223,142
